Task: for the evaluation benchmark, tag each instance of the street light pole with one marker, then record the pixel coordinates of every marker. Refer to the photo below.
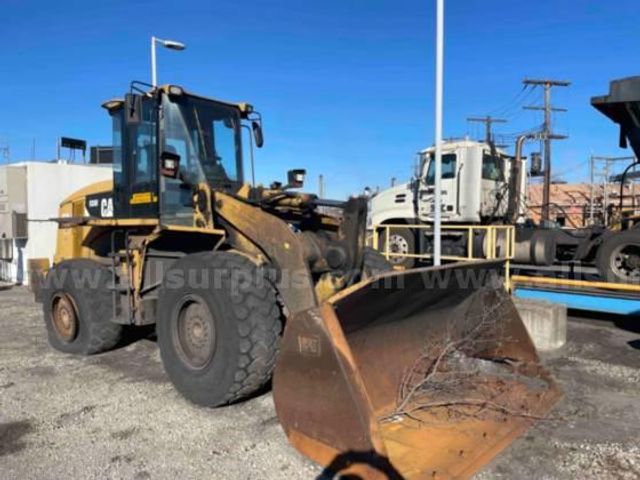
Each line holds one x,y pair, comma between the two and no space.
154,74
171,45
437,200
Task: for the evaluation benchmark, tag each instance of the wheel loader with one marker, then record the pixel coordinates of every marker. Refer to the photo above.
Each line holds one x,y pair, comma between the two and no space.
427,373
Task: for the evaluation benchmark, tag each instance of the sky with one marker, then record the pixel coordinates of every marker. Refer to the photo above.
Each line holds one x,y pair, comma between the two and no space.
346,88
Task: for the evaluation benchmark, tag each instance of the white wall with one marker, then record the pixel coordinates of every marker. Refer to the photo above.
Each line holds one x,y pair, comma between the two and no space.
13,196
47,185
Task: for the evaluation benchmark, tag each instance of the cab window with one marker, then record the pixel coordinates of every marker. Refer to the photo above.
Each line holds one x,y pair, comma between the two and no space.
492,167
144,145
224,147
449,161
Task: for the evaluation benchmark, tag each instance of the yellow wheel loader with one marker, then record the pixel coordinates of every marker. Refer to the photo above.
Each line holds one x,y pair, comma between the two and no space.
427,373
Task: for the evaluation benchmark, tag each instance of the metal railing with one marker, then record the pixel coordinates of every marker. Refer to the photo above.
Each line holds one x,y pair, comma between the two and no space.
498,243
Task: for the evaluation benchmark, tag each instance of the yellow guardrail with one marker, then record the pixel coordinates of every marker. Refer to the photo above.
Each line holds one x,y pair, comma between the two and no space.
499,243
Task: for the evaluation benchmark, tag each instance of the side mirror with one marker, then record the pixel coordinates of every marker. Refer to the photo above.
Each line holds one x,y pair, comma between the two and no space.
132,108
169,164
295,178
257,133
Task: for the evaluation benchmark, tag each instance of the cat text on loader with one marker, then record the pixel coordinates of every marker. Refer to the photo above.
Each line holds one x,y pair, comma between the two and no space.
427,373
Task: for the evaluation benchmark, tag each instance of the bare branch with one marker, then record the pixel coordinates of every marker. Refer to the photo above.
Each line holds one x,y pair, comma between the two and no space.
453,372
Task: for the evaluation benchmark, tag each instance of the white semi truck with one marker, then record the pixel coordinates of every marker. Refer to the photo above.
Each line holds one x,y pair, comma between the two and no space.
483,185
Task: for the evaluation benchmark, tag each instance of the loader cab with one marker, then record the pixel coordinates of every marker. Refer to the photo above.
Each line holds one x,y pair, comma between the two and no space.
167,144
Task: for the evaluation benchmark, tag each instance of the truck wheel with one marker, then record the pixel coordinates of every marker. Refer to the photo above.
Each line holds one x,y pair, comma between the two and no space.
618,258
218,327
374,263
401,241
77,308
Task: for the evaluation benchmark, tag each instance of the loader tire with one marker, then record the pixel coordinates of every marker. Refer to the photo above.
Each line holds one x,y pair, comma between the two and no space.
618,258
218,327
77,308
401,240
374,263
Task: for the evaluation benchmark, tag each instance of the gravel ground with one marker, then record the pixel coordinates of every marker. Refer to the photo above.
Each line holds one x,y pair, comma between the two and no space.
115,415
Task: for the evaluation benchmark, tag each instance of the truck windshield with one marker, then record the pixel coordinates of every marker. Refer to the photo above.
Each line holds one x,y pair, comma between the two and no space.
206,135
449,161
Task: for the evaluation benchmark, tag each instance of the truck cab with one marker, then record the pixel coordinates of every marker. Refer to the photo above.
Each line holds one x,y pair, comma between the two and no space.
475,190
474,182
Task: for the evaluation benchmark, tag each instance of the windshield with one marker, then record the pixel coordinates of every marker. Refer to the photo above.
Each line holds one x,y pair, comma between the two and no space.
448,167
206,135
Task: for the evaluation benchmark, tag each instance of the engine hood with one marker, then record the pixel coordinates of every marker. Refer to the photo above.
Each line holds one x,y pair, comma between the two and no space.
394,203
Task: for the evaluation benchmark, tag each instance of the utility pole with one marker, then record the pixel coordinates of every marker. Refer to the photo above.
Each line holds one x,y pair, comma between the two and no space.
547,133
321,186
488,122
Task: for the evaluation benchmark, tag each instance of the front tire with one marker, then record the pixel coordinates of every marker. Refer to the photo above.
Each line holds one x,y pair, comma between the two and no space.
77,307
218,327
402,241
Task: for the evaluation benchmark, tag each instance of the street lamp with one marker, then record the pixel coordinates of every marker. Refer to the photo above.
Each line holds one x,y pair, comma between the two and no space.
171,45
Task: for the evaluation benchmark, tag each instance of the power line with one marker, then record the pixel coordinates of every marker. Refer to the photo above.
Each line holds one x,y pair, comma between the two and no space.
535,129
514,103
508,138
515,111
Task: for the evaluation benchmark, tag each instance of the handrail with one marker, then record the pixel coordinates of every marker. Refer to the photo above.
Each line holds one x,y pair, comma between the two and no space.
496,236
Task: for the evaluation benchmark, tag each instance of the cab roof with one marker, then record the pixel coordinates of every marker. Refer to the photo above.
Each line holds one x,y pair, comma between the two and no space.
455,144
169,89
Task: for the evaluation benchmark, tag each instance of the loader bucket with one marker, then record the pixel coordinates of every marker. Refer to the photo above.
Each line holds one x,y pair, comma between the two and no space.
427,373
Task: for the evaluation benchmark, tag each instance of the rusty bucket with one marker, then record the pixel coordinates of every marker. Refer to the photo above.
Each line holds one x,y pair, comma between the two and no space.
427,373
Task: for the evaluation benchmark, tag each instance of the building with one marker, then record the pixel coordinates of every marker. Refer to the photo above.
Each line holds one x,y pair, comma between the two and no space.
30,194
571,202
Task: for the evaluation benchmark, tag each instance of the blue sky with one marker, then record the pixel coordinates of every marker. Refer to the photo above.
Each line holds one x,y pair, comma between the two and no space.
345,87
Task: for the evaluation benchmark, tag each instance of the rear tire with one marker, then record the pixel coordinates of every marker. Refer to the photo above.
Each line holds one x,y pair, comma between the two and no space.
401,240
218,327
618,258
77,308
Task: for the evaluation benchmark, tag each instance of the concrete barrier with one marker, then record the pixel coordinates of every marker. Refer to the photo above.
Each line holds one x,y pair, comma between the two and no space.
546,322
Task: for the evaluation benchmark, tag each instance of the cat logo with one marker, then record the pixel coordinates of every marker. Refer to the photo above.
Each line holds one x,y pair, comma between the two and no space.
106,207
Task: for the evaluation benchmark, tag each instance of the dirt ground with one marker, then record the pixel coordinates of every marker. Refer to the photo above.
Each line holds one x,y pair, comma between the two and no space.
115,415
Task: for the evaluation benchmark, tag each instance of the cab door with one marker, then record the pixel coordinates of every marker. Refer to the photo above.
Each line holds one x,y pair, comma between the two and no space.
494,188
141,192
451,164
